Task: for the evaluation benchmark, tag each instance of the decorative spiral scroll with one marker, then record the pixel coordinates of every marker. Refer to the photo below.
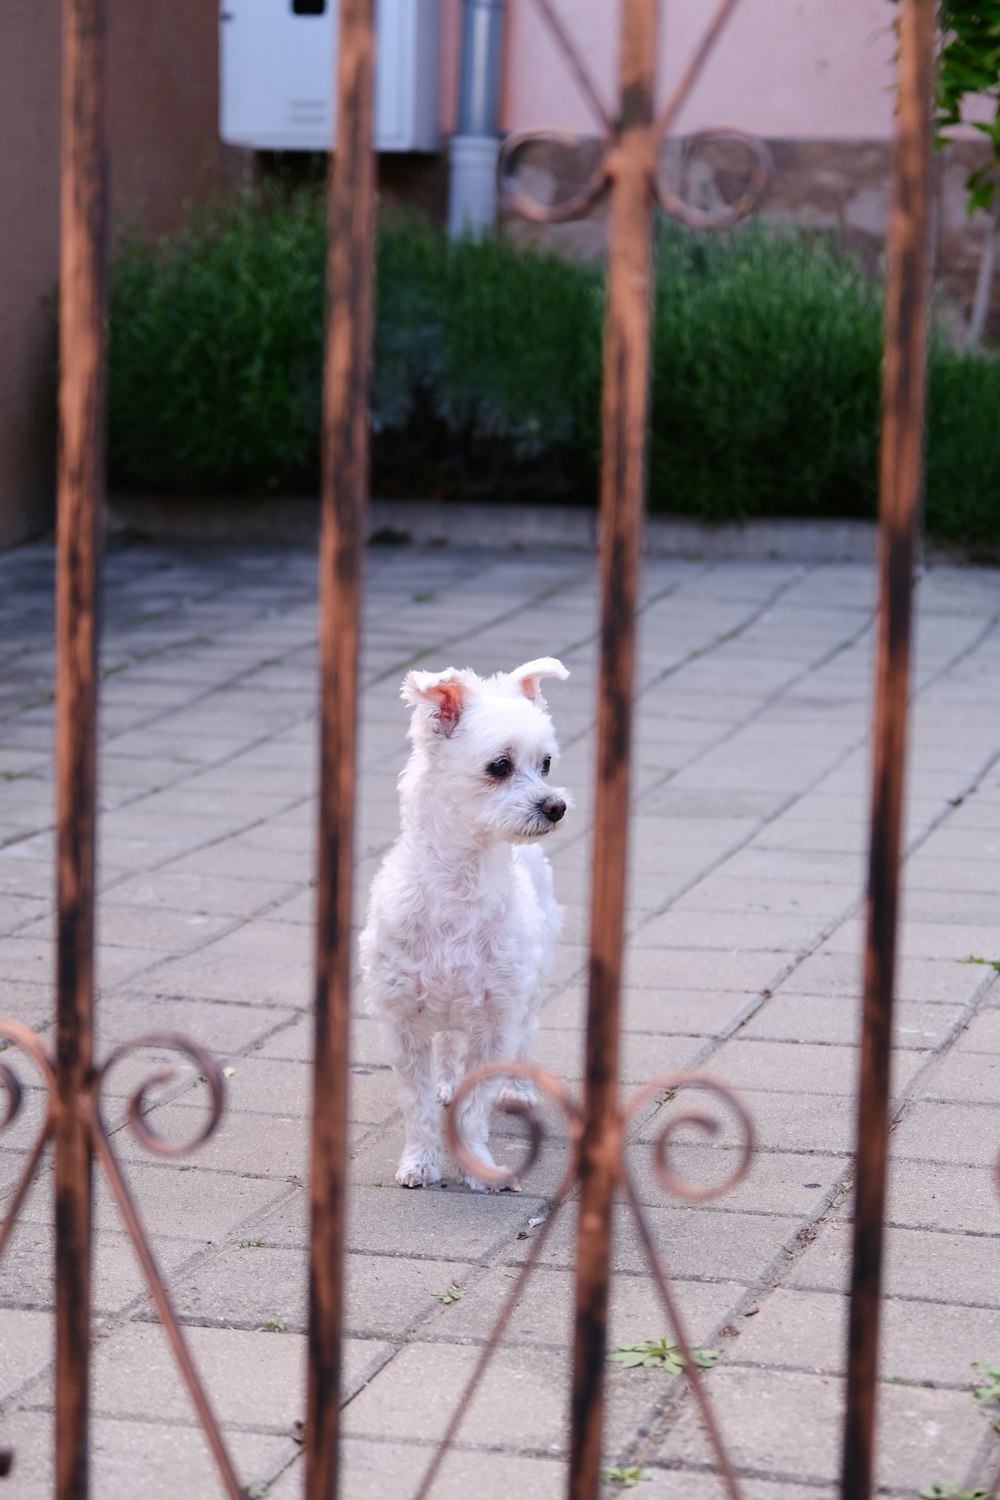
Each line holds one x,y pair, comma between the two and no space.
761,172
30,1042
700,1120
574,207
207,1068
12,1095
501,1177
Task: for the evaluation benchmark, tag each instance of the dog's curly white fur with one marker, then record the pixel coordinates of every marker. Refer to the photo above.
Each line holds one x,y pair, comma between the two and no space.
462,919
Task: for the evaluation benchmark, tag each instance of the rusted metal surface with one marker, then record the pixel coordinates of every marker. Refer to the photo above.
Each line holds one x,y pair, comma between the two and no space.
82,293
350,273
207,1068
613,1142
97,1143
903,400
624,418
599,182
72,1082
498,1178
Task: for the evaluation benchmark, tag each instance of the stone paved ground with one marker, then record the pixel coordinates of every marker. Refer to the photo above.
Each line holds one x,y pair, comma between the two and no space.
748,838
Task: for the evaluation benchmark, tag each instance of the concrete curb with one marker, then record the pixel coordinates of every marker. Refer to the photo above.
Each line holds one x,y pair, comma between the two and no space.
434,523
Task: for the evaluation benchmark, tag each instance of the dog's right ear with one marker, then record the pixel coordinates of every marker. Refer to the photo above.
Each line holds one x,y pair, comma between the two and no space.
439,697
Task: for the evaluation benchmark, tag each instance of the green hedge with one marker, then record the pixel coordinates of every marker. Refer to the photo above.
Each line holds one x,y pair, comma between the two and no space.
765,372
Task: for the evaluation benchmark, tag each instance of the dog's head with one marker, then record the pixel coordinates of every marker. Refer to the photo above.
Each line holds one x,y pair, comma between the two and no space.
489,746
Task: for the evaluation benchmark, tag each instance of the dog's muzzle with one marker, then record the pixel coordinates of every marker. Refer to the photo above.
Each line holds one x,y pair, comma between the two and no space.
553,808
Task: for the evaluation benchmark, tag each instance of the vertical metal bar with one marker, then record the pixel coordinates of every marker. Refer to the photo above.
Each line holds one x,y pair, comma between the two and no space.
350,274
79,532
625,401
903,399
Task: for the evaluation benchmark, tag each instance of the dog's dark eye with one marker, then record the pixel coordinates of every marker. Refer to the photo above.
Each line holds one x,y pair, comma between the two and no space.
500,769
546,765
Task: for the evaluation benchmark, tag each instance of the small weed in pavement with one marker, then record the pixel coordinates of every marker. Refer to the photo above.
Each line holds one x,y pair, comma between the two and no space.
273,1325
453,1293
661,1354
628,1478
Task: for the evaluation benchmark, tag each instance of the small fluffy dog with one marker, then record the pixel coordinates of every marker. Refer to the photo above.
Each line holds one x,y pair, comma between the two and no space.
462,920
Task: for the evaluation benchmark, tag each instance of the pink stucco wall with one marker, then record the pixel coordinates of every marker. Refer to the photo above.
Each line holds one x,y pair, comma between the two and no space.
807,69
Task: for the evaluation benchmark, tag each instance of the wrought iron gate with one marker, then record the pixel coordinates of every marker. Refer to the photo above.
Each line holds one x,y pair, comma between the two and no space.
627,175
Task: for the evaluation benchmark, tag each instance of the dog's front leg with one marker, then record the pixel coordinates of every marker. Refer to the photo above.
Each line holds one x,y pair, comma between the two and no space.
412,1059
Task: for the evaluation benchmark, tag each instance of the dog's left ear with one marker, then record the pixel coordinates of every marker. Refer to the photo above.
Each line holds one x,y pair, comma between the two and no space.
530,675
439,696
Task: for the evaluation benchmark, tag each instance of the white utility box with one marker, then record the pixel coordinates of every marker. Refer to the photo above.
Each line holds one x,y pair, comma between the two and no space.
277,71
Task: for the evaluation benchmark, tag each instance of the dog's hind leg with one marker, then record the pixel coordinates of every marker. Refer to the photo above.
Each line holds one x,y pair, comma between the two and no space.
413,1062
487,1044
449,1062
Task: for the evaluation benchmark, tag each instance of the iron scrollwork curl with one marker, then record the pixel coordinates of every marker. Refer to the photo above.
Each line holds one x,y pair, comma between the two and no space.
30,1043
576,206
697,1119
521,1109
138,1102
728,214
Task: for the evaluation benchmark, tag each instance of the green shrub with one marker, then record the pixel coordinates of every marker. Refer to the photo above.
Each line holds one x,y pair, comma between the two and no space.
765,378
765,371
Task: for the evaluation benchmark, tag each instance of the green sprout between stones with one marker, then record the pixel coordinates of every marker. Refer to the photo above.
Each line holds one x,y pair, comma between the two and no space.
628,1478
990,963
951,1492
273,1325
453,1293
251,1244
985,1394
988,1391
661,1354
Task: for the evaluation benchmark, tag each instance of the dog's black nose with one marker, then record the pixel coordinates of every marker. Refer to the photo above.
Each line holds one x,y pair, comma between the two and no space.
553,808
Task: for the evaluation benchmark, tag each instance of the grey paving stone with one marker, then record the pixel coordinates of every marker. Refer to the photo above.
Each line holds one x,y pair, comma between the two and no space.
185,1204
700,1243
441,1224
837,1018
704,969
931,1195
967,1078
960,1133
747,931
802,1067
254,964
373,1469
667,1012
923,1264
543,1316
156,1460
255,1379
247,1287
27,1270
28,1344
921,1342
927,979
787,1424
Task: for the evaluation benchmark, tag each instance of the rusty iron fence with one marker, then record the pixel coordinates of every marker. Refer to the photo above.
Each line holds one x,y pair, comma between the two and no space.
629,176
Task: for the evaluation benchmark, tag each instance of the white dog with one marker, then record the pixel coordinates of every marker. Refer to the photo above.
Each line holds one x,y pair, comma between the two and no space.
462,920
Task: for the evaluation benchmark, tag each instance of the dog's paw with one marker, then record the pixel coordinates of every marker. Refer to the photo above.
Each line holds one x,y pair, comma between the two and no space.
477,1185
419,1171
518,1091
513,1186
445,1092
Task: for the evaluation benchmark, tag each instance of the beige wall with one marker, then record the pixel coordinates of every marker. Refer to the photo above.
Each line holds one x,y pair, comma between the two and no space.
162,91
